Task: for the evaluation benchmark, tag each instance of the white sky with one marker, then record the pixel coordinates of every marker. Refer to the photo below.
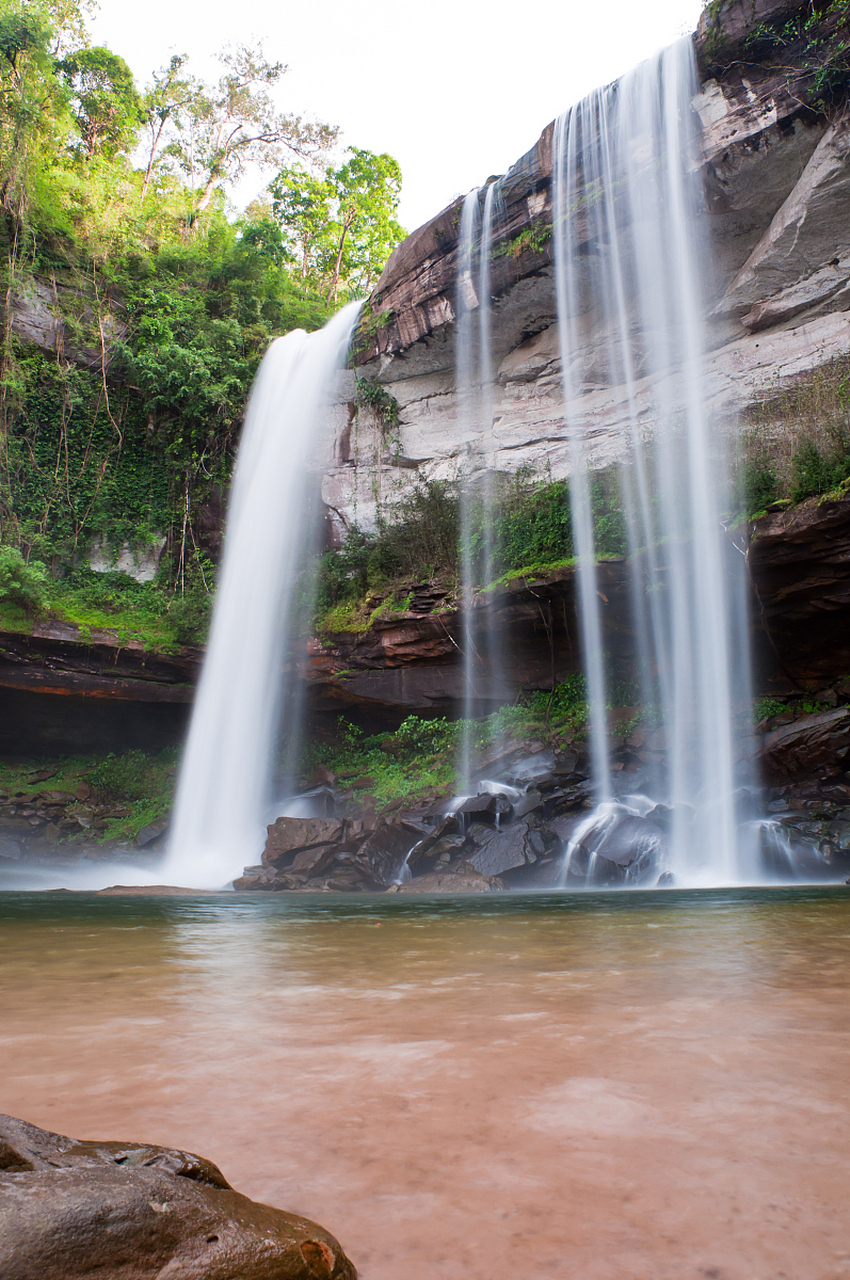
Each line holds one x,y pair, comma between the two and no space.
456,90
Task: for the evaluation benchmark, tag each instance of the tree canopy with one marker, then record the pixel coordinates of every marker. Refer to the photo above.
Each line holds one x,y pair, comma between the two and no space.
115,217
104,99
340,224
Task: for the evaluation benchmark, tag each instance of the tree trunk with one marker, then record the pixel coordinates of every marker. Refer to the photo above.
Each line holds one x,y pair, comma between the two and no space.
332,291
151,158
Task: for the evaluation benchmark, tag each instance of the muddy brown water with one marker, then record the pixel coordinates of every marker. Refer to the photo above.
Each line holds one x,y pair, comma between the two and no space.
647,1086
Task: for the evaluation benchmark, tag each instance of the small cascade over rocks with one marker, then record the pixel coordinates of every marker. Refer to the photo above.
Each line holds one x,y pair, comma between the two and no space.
250,677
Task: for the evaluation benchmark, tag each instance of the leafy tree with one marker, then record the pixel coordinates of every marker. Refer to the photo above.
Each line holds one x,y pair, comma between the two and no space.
104,99
263,236
303,205
340,223
162,105
67,18
24,90
367,189
236,123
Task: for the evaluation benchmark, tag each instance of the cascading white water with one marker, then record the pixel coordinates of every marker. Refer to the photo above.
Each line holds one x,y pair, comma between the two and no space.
481,640
467,304
263,593
631,261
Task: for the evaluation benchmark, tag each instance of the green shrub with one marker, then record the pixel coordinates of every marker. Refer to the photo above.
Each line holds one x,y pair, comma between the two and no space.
416,737
22,583
798,443
759,485
419,537
524,522
816,472
765,708
124,777
191,614
343,573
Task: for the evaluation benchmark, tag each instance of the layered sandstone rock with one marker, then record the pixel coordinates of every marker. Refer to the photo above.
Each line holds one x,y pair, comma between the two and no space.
777,182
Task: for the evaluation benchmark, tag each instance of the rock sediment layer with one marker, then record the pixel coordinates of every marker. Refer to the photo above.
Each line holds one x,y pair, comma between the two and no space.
777,184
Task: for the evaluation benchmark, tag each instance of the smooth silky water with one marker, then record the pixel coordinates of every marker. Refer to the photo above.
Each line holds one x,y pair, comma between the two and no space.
650,1086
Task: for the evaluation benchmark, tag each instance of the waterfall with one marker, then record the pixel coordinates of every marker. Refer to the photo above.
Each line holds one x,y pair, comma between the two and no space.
481,640
249,677
467,304
631,266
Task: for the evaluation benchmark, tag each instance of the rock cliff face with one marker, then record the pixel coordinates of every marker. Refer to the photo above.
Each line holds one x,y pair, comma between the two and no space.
777,185
63,691
800,569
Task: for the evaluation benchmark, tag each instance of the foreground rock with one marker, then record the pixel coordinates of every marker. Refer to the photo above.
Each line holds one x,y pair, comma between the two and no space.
490,842
453,882
126,1211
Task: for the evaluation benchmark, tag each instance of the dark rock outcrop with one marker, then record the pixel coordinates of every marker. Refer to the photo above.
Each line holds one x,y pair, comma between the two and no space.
287,837
79,1210
811,746
462,881
724,27
332,853
800,569
501,852
494,840
64,692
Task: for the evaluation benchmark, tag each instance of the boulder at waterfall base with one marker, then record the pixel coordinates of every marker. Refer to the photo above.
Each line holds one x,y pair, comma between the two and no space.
127,1211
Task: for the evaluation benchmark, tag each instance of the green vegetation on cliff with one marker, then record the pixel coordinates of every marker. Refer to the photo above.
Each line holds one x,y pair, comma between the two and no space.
417,538
420,758
797,444
137,303
810,46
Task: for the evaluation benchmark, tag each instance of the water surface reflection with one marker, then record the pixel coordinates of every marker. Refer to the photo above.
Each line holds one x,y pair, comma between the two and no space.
605,1086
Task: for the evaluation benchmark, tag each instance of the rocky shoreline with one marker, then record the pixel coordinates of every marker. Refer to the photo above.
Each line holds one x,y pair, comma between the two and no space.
512,835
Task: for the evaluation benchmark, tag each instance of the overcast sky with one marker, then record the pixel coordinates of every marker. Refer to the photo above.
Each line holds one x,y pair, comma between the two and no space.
456,90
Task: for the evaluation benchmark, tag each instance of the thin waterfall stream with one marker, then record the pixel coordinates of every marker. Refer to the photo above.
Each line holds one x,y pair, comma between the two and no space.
627,184
631,260
482,641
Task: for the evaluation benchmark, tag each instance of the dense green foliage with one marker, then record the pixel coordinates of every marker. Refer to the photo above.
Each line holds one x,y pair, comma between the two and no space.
529,524
340,225
21,584
420,758
115,234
